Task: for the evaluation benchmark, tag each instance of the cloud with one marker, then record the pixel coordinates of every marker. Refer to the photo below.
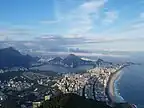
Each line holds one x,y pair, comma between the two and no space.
58,40
128,37
80,24
93,54
15,33
92,6
134,29
81,19
138,25
142,15
85,16
110,17
49,22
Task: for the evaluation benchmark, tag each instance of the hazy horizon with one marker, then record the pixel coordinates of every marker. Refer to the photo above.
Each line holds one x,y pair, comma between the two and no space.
91,25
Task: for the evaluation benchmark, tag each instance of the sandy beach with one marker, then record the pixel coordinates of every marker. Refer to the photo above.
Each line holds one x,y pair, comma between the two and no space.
111,88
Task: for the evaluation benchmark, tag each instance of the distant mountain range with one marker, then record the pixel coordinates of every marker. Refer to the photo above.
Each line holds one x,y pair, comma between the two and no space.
74,61
56,60
70,61
9,57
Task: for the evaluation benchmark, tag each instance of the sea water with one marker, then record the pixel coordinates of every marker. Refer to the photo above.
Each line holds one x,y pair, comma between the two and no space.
119,98
129,86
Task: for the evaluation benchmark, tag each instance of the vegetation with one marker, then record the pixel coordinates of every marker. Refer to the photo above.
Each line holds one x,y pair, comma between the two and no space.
75,101
72,101
9,75
10,57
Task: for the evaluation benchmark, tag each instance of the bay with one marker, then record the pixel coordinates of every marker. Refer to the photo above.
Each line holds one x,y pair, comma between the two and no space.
60,69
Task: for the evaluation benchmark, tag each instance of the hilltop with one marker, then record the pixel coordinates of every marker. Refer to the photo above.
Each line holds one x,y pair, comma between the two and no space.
9,57
71,100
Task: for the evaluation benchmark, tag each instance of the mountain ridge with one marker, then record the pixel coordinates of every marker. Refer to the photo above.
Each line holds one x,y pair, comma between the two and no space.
71,100
73,61
10,57
70,61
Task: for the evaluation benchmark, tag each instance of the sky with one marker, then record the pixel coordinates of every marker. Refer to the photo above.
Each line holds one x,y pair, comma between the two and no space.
115,25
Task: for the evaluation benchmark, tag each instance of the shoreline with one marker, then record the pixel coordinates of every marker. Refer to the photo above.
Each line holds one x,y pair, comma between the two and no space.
110,89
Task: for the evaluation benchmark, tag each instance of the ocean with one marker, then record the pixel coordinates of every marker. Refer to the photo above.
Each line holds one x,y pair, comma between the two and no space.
129,86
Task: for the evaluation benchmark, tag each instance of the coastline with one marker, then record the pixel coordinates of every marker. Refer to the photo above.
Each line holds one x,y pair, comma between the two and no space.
110,89
119,98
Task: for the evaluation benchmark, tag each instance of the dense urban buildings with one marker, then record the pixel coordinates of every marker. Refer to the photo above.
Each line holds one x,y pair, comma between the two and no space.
25,87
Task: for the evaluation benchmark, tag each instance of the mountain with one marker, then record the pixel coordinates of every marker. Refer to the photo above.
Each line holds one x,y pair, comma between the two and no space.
71,100
56,60
9,57
73,61
102,62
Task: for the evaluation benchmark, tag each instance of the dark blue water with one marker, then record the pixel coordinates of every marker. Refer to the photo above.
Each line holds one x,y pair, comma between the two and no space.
132,85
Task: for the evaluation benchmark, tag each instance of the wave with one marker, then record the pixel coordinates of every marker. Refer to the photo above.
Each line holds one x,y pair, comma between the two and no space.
119,98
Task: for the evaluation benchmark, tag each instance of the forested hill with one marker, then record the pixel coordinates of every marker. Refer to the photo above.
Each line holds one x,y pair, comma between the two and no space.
75,101
9,57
